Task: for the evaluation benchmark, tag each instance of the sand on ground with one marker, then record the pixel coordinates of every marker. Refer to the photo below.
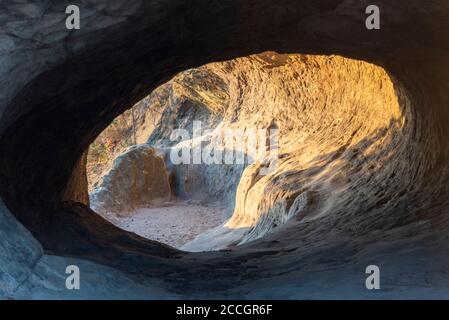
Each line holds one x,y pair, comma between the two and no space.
176,223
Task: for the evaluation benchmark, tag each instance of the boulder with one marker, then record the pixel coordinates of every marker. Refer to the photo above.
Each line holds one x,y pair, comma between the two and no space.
138,178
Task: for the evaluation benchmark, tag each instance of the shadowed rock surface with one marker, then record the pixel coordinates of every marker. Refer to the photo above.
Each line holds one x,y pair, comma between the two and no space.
19,253
387,185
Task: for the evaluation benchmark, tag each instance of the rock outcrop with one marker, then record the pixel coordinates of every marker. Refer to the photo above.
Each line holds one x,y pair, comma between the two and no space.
138,178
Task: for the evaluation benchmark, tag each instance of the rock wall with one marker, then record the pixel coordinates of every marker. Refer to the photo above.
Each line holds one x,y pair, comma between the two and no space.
338,121
19,253
77,188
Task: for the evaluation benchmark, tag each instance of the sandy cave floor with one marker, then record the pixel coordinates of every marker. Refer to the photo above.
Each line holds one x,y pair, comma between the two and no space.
176,223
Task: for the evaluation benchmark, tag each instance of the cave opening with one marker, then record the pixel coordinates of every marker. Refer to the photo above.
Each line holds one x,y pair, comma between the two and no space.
226,153
160,169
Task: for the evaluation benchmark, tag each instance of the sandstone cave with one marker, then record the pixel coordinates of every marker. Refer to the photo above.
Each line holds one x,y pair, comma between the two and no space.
361,166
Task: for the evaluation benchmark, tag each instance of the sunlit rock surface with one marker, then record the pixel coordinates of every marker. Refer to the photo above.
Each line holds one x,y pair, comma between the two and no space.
338,119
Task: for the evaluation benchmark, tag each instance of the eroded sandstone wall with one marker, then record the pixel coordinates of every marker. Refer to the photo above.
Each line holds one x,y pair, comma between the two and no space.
339,122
